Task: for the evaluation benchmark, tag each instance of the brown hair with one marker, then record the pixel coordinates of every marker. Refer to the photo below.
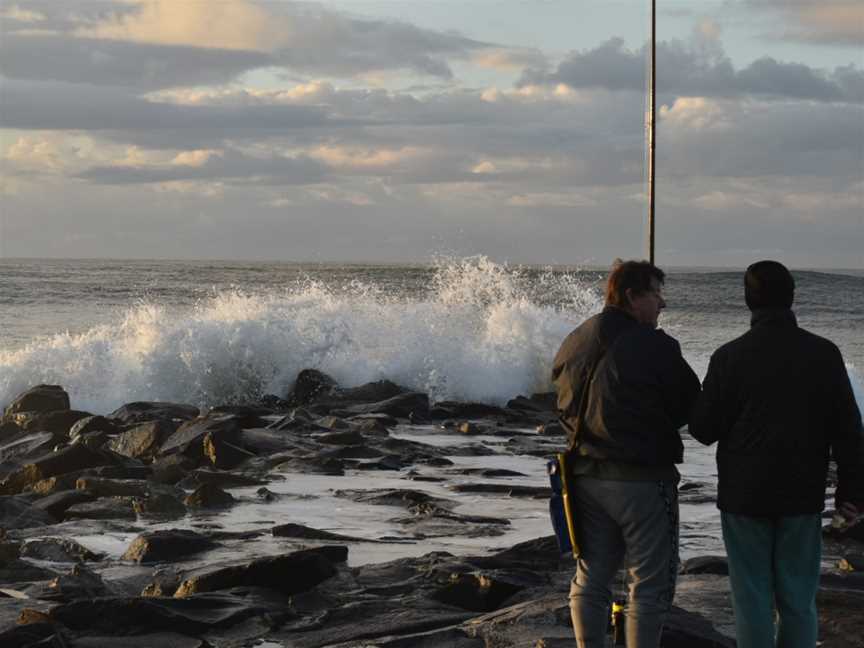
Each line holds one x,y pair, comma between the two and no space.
630,275
768,284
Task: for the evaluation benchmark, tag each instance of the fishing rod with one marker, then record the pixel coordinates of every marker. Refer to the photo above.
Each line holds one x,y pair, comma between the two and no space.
652,144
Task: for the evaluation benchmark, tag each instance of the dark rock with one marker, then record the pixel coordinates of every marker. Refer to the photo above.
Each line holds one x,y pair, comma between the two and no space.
400,406
313,465
551,429
167,545
9,552
223,454
456,409
388,462
372,392
537,403
248,415
504,489
718,565
59,502
8,430
23,445
354,452
143,441
373,427
476,592
41,398
18,514
55,484
333,423
310,385
159,506
65,460
160,639
201,476
209,496
193,616
93,424
470,428
391,497
189,437
308,533
58,422
21,571
852,563
79,583
289,574
113,487
58,550
142,412
165,583
171,469
104,508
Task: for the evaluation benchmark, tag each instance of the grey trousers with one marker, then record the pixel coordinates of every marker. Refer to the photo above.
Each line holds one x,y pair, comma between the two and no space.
635,522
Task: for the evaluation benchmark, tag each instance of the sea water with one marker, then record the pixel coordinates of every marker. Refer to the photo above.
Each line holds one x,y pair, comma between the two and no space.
210,333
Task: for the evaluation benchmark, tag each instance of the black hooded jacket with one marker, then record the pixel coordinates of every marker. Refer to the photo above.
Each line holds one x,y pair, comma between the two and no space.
779,401
638,389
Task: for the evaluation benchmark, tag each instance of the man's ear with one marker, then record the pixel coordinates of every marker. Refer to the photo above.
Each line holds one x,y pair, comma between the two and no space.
629,294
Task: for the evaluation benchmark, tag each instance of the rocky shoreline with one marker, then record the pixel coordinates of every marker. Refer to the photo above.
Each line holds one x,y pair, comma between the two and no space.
146,469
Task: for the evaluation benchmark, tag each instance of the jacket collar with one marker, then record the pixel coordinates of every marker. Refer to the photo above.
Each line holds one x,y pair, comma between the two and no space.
620,313
773,317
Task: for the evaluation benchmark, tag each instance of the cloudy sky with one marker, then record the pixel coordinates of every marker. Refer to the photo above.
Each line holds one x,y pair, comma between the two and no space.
365,130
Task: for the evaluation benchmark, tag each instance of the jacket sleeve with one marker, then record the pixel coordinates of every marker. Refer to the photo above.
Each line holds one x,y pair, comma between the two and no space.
847,438
680,385
712,413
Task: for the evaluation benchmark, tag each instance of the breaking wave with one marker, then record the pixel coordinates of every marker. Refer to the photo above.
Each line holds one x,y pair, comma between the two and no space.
480,331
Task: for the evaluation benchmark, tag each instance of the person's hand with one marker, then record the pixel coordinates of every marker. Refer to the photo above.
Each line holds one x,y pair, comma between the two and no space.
849,510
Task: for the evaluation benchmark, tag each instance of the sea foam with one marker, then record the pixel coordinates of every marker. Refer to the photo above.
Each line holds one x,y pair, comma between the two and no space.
480,331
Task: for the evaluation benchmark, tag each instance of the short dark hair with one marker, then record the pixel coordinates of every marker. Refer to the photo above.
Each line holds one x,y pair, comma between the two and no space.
768,284
630,275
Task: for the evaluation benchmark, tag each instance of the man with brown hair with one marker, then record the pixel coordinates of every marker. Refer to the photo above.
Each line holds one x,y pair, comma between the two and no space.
624,390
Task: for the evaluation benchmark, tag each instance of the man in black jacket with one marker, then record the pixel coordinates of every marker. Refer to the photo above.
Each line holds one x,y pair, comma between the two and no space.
779,401
623,391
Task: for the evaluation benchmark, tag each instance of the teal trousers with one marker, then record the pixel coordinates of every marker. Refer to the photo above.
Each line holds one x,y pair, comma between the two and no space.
774,566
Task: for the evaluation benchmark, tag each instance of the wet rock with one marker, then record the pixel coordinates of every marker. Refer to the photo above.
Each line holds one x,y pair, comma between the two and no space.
372,392
718,565
193,616
171,469
166,545
142,412
22,572
401,406
476,592
470,428
551,429
58,422
546,402
391,497
80,582
289,574
487,472
374,427
41,398
104,508
310,385
15,513
159,506
313,465
852,563
354,452
8,430
504,489
93,424
388,462
189,437
308,533
24,445
57,503
223,454
333,423
143,441
65,460
165,583
58,550
209,496
9,551
55,484
101,487
157,639
219,478
248,415
460,410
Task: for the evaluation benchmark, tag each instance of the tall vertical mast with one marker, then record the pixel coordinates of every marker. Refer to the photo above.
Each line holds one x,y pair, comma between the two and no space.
651,141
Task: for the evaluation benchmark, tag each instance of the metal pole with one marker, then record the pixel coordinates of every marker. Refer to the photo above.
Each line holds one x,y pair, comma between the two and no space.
651,141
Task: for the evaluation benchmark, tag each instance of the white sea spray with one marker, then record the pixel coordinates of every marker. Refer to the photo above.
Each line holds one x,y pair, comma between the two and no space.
482,331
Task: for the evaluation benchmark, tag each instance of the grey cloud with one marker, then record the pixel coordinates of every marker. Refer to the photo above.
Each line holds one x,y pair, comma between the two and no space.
819,22
121,63
60,106
682,71
231,166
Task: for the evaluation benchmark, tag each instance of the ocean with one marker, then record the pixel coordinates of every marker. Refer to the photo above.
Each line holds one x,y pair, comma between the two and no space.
209,333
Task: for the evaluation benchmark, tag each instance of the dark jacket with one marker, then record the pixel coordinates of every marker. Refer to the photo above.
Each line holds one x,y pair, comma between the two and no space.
778,400
638,389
